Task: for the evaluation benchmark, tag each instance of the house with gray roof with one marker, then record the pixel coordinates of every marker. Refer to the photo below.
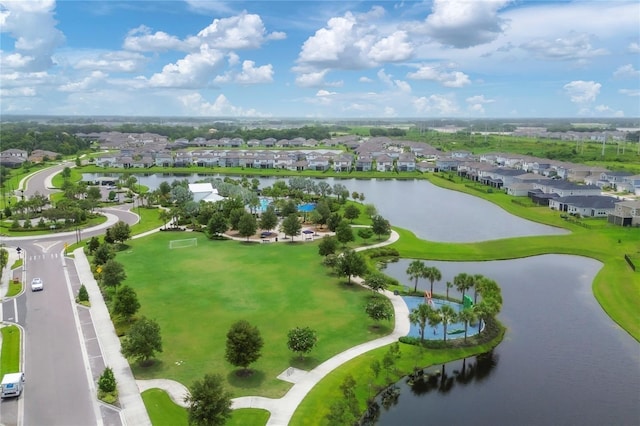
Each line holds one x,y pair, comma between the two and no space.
564,188
406,162
384,163
585,205
343,163
626,213
364,164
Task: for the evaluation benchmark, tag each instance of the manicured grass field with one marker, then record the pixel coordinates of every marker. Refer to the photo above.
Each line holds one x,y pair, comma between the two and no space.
10,355
196,293
164,412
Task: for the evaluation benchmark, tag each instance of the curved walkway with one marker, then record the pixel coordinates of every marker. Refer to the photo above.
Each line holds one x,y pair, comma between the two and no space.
282,409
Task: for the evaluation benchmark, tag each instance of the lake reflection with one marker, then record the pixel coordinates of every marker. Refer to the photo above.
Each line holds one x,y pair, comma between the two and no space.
563,361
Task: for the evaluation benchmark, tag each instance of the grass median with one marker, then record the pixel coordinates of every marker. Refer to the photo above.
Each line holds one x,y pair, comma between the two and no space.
196,293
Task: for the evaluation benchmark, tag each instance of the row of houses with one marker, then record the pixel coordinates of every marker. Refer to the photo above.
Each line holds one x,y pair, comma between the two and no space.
14,158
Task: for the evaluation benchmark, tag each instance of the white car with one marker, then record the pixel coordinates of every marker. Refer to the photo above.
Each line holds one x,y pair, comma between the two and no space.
37,285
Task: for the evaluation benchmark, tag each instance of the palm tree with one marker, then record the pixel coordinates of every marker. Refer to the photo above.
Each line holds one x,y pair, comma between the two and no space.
415,271
449,285
448,314
432,274
420,316
467,315
485,309
462,281
165,216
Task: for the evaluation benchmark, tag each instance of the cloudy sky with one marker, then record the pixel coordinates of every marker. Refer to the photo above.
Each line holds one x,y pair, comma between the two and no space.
321,59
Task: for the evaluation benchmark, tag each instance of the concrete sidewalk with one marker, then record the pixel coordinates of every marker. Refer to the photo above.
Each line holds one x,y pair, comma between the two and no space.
135,412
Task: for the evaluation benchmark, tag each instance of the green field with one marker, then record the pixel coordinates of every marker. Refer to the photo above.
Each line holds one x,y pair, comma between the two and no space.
10,354
196,293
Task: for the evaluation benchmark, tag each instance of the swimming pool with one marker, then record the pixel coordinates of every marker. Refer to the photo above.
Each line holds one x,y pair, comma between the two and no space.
307,207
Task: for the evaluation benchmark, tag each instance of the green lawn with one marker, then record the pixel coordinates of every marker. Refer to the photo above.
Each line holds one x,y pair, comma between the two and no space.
164,412
10,354
196,293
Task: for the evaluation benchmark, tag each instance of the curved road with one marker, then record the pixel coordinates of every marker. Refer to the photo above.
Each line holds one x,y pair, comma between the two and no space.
60,386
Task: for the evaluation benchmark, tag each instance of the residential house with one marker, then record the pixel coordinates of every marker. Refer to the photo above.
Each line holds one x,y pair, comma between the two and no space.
364,164
384,163
406,162
164,159
565,188
204,192
626,213
343,163
585,205
319,163
630,184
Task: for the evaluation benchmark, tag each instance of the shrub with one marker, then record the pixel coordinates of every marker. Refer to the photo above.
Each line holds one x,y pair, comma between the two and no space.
83,295
107,381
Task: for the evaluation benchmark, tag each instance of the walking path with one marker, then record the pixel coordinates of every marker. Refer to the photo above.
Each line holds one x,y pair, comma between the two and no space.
282,409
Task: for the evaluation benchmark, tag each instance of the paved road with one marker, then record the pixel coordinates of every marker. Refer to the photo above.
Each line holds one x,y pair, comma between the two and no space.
62,358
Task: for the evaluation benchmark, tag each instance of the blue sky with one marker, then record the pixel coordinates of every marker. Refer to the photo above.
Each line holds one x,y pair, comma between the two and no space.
321,59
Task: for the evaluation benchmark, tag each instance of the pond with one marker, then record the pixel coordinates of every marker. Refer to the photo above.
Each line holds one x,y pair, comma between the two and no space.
562,361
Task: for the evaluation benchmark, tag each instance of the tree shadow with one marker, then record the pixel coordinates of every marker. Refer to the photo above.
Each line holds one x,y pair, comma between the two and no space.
306,363
148,369
239,379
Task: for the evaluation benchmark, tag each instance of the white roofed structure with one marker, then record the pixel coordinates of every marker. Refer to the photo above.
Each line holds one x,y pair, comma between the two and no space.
204,192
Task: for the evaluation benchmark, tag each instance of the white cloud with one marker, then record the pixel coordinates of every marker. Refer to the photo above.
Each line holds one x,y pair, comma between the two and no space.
244,31
18,92
629,92
400,85
142,40
465,23
436,104
87,83
114,61
14,61
606,110
195,70
634,47
391,49
252,75
476,103
436,73
582,92
195,104
365,80
626,71
352,42
316,79
571,47
32,25
325,93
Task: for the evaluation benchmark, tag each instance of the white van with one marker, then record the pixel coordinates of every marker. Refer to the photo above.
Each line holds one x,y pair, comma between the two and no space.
12,384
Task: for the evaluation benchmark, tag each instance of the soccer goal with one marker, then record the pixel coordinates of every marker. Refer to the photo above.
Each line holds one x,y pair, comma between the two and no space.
187,242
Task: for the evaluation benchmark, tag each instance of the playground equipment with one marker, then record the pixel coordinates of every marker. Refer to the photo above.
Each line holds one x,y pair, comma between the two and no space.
427,298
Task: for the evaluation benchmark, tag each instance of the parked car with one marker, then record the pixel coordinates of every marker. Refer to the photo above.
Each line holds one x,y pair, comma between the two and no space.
37,285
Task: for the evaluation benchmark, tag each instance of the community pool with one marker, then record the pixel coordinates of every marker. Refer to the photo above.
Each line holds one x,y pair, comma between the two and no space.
307,207
455,330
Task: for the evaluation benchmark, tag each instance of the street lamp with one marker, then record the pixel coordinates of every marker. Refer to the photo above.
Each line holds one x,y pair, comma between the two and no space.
18,250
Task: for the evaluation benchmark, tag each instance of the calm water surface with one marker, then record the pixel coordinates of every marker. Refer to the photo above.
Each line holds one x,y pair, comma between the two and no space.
562,362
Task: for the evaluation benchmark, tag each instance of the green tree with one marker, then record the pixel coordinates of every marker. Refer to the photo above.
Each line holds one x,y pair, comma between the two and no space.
432,274
93,244
113,273
351,212
244,345
83,295
234,217
247,225
415,271
333,221
125,303
268,219
217,225
328,245
107,381
467,316
376,281
351,264
291,225
103,254
142,341
365,233
120,232
289,208
66,173
378,309
448,315
462,282
344,233
380,226
422,315
323,209
370,210
209,403
302,340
